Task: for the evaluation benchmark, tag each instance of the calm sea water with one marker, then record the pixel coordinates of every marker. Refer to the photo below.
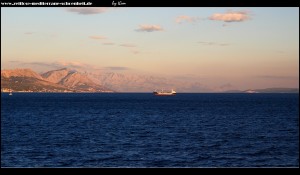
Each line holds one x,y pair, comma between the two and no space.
142,130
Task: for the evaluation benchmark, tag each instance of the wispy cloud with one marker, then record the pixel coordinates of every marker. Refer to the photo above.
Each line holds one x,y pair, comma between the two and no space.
117,68
231,16
15,61
274,77
135,51
58,64
70,63
213,43
224,44
97,37
108,43
131,47
149,28
87,10
39,64
127,45
185,18
46,66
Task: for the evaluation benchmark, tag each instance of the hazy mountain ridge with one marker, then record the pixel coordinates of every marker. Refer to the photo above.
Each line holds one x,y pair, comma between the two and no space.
93,80
275,90
134,82
71,80
129,82
266,90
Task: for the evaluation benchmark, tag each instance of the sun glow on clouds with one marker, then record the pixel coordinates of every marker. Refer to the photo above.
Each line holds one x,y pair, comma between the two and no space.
149,28
70,63
230,16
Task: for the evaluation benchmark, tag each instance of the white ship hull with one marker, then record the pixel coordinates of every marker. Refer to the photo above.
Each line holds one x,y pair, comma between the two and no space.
162,93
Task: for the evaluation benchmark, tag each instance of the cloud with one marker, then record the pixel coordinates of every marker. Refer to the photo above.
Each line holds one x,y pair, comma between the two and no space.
230,16
58,64
42,67
185,18
37,66
131,47
278,77
213,43
15,61
97,37
70,63
87,10
149,28
41,64
135,51
206,43
108,43
117,68
127,45
223,44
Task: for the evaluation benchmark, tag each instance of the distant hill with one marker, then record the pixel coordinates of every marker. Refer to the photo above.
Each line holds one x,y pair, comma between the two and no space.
267,90
63,80
277,90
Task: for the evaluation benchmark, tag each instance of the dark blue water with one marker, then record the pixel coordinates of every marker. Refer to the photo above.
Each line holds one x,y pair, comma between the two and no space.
142,130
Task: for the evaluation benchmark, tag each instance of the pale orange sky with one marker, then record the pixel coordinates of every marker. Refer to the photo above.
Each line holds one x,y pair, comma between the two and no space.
246,47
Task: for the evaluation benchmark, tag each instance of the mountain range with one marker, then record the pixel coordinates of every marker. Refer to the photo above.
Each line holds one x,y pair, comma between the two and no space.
74,80
266,90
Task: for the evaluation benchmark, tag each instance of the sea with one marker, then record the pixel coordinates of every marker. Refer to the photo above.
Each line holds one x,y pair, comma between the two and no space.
143,130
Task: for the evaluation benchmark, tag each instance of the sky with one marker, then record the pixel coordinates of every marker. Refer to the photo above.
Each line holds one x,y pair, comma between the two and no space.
245,47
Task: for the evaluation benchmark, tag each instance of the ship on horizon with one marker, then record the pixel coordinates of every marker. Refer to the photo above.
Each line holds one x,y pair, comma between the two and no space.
162,92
